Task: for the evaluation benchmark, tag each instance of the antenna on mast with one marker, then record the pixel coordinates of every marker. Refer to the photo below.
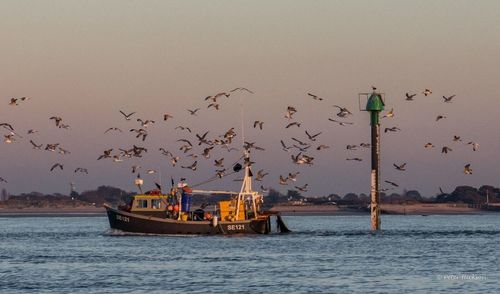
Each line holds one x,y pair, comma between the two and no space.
242,118
159,176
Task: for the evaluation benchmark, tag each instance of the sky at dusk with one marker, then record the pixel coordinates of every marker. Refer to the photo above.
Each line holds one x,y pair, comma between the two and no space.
86,60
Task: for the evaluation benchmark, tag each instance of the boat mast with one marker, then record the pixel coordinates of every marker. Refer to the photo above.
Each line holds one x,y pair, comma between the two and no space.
246,187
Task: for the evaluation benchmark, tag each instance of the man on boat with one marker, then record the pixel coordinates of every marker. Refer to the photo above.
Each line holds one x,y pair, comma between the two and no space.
184,197
182,183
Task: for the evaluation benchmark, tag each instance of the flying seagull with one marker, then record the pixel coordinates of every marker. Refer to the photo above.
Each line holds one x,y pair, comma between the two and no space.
343,112
113,129
392,183
127,116
185,141
9,138
183,128
57,165
219,162
293,176
355,159
300,142
290,111
52,147
342,123
448,99
260,175
389,114
193,112
214,105
63,151
7,126
293,124
145,123
35,146
135,168
439,117
315,97
81,170
250,145
106,154
192,166
446,149
401,167
426,92
57,120
117,158
312,137
174,160
302,149
13,101
475,146
241,89
302,189
222,94
393,129
409,97
258,123
165,152
285,148
202,139
220,173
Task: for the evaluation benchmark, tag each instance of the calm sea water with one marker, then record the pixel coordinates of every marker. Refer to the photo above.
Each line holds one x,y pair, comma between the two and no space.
325,254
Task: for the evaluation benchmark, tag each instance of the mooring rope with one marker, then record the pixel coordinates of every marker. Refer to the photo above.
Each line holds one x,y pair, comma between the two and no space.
214,178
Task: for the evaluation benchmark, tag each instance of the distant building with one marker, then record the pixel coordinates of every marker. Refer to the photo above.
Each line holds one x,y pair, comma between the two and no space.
4,196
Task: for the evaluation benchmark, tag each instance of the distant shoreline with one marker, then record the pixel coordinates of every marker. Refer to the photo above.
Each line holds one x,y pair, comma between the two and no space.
289,210
387,209
51,212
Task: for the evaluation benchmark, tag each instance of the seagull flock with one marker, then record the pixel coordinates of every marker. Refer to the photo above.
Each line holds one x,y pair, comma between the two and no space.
195,145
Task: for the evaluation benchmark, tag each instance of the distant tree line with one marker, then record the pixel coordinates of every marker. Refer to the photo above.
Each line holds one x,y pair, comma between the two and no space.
461,194
115,196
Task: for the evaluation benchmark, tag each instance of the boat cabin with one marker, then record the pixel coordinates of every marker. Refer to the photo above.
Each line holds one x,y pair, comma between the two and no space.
154,203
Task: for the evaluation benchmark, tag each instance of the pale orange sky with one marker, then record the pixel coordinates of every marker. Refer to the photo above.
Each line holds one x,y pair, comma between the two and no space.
85,60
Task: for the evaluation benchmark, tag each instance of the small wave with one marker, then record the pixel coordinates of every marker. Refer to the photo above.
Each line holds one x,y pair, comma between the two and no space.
119,233
404,233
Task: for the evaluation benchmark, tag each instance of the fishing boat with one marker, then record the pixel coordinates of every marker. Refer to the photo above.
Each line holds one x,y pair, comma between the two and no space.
153,212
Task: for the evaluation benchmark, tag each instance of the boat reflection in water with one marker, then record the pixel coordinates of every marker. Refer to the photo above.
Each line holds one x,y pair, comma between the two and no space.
156,213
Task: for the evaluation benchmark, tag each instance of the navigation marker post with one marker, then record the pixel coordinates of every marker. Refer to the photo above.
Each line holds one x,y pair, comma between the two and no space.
375,104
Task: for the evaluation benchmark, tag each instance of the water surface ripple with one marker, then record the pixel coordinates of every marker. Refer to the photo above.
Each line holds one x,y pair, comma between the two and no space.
324,254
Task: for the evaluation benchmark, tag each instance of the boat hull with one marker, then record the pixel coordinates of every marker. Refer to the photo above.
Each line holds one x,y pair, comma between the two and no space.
135,223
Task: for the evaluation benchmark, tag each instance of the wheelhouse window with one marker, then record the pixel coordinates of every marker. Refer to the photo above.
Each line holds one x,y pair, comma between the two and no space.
142,203
156,203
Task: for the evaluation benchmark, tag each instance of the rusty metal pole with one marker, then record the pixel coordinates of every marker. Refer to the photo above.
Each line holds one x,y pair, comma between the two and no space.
375,105
374,191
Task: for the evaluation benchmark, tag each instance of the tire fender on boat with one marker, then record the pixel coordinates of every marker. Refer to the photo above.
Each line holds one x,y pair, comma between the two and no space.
215,221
